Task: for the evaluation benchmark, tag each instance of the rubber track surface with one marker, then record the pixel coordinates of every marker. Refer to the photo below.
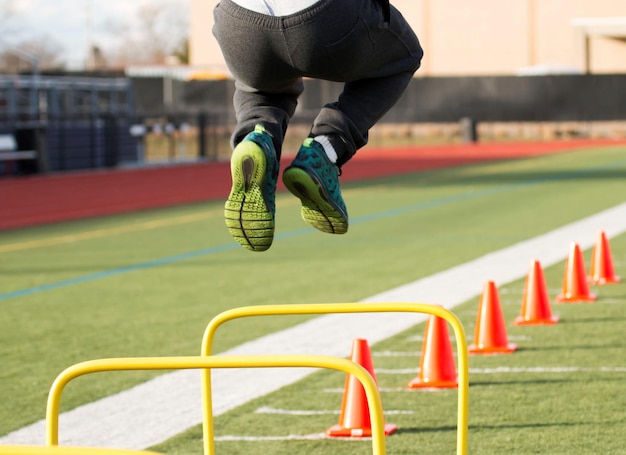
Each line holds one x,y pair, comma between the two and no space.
34,200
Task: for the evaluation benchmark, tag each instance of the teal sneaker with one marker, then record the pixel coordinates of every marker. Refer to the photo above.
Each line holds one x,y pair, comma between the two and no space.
251,205
314,179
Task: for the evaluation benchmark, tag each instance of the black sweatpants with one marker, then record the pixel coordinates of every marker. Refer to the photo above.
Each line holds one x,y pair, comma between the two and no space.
348,41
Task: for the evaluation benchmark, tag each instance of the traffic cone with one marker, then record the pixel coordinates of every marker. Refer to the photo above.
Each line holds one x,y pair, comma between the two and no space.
354,420
437,370
536,303
490,336
602,271
575,288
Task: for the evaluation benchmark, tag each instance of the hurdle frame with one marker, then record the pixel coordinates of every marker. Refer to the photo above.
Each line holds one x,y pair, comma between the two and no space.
56,450
206,363
328,308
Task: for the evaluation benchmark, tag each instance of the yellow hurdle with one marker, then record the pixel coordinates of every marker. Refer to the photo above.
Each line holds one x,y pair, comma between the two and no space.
205,363
386,307
56,450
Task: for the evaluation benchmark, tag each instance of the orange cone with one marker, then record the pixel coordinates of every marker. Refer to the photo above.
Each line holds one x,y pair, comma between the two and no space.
490,336
437,370
602,271
575,288
536,303
354,420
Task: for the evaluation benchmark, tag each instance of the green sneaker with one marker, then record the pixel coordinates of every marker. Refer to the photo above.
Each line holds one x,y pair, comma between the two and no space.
251,205
314,179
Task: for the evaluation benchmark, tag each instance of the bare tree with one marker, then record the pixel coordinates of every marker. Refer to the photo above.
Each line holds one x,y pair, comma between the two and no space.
46,49
161,32
20,50
33,54
8,22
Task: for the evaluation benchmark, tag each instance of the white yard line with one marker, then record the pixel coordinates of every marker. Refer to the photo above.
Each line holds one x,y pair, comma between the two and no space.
303,412
291,437
161,408
516,370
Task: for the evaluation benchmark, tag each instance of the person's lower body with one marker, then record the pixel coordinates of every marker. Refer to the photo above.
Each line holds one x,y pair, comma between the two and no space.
350,42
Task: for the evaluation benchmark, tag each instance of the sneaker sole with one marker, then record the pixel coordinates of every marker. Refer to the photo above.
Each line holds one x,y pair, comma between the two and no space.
318,210
249,220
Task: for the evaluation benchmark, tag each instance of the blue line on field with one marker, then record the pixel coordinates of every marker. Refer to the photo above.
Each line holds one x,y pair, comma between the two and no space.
118,271
358,220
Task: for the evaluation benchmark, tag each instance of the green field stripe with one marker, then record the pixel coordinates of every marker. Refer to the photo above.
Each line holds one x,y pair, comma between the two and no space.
486,192
439,202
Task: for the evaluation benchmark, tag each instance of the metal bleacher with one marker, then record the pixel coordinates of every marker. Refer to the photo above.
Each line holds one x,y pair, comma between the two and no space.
64,123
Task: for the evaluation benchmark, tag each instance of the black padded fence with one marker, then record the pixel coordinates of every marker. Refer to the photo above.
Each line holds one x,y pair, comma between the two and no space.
112,139
514,99
99,142
442,99
70,143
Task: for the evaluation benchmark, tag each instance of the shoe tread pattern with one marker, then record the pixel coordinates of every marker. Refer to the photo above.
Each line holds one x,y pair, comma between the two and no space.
249,210
314,180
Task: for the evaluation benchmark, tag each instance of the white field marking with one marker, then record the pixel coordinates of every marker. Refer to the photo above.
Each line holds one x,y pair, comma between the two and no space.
612,301
386,390
167,405
471,312
302,412
516,338
396,354
497,370
290,437
397,371
420,338
380,389
511,292
394,390
294,412
546,370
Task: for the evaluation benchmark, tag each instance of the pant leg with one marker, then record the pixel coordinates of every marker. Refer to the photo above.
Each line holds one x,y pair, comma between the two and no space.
266,86
369,92
273,110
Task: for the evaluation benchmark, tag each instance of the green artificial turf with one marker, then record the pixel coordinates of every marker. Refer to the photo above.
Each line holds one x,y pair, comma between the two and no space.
561,392
147,284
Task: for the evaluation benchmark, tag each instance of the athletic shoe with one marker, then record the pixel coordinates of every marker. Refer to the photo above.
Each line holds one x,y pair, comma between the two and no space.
314,179
250,208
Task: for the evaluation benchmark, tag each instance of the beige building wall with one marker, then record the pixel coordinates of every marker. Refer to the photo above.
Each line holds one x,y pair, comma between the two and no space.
203,49
486,37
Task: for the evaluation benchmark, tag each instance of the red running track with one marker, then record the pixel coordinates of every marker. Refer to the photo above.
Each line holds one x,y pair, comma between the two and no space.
34,200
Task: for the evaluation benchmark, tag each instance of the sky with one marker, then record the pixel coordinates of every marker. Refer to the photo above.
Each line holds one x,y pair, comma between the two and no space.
72,24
